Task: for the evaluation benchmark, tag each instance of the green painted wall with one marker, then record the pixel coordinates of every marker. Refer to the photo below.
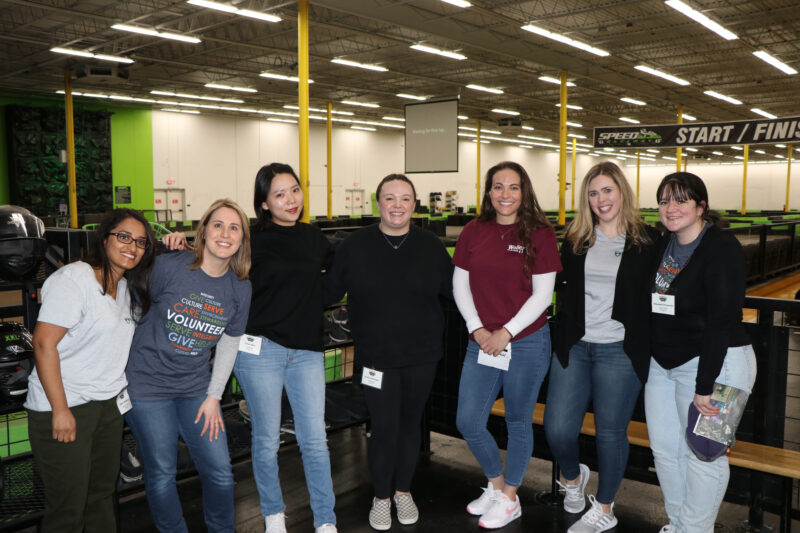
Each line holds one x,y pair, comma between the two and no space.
131,147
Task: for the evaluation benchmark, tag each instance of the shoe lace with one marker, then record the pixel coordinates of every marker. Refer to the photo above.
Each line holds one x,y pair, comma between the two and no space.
569,490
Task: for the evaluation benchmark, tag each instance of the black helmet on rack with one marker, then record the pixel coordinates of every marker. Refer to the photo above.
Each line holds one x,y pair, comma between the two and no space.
22,243
16,360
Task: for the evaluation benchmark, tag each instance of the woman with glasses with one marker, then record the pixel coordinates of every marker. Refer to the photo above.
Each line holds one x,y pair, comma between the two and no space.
200,301
76,393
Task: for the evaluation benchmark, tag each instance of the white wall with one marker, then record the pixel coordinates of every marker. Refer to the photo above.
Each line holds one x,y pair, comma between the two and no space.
218,156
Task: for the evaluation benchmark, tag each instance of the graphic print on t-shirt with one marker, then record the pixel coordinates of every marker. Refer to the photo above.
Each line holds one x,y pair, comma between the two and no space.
195,322
666,273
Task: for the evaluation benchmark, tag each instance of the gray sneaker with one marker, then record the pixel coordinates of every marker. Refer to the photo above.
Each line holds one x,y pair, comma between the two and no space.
380,516
594,520
574,502
407,512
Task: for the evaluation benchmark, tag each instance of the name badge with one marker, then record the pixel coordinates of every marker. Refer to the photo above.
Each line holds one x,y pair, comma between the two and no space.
250,344
372,378
663,304
124,402
499,361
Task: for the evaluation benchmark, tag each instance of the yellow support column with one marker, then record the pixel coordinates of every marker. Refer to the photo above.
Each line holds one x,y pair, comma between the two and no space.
71,185
574,183
302,92
788,178
329,163
678,150
562,153
478,166
637,177
685,163
744,179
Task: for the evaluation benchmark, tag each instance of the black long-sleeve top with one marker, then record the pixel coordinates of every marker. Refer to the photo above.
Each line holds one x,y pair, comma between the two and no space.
709,294
631,302
393,296
286,276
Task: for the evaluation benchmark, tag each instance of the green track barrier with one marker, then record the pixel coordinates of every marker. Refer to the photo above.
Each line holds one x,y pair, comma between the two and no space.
14,434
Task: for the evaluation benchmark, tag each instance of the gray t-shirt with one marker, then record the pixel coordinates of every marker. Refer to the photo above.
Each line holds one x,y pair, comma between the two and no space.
600,279
675,257
94,351
190,311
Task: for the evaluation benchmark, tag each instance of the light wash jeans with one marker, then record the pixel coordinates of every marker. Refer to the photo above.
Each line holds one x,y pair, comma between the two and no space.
156,425
693,489
477,391
603,375
263,378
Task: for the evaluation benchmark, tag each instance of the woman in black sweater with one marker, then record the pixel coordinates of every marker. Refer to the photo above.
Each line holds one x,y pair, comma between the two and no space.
600,338
394,274
697,340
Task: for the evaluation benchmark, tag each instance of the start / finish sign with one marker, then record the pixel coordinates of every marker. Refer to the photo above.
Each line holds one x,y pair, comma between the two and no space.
763,131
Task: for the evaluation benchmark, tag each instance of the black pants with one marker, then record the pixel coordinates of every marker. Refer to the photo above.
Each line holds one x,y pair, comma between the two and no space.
396,416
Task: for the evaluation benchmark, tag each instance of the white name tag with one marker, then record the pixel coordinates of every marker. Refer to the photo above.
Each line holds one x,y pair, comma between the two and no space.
663,304
500,361
250,344
372,378
124,402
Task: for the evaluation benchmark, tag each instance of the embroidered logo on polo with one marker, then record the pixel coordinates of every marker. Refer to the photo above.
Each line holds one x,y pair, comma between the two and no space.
516,248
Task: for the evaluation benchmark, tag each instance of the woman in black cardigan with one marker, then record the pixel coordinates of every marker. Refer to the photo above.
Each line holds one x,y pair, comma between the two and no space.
600,339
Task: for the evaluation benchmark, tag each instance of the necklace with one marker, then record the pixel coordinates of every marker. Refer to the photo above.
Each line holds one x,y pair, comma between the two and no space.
506,232
398,245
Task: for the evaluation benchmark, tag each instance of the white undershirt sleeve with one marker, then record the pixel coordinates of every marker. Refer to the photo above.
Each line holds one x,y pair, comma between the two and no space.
463,297
534,306
224,358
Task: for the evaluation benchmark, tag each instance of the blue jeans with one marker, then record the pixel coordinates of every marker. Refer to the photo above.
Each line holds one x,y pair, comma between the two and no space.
263,378
478,390
156,425
693,489
604,375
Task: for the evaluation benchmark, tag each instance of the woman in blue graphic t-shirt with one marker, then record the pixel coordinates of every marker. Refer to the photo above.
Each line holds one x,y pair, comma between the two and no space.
200,300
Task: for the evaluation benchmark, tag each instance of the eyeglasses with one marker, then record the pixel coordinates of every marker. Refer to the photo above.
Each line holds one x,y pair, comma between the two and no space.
127,238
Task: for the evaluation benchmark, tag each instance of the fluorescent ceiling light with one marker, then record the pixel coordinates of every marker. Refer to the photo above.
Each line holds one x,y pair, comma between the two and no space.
463,117
737,148
457,3
484,89
760,152
188,111
571,106
763,113
396,119
81,53
664,75
574,124
483,130
274,76
505,112
565,40
576,135
670,158
631,120
702,19
688,117
728,99
780,146
154,33
529,128
362,104
652,151
364,128
271,119
550,79
717,153
738,157
534,138
633,101
198,97
356,64
318,110
411,96
690,149
775,62
230,88
235,10
779,156
482,141
438,52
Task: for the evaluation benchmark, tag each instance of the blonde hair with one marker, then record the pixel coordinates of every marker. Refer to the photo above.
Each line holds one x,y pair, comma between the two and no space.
240,262
580,232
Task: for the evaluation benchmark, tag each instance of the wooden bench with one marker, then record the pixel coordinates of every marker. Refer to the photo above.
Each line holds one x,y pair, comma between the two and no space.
757,457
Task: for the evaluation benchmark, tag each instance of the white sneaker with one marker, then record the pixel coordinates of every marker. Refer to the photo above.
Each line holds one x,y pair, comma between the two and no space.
276,523
594,520
326,528
502,512
380,516
407,512
667,529
481,505
574,501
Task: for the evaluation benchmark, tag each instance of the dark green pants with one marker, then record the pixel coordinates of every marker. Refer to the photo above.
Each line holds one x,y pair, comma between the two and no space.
79,477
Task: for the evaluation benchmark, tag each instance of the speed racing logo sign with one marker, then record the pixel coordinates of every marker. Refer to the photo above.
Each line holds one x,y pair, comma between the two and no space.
765,131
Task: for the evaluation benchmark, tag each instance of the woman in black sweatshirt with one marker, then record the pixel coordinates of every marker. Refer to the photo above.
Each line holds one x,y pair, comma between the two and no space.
394,274
697,339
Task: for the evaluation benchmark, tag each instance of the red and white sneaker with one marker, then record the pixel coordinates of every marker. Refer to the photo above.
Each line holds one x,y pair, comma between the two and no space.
479,506
503,511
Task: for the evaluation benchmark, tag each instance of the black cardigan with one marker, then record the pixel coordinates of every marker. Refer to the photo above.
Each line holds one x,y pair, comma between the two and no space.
631,302
709,293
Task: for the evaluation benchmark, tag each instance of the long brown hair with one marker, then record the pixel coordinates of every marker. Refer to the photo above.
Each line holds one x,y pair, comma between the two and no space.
240,262
530,215
580,232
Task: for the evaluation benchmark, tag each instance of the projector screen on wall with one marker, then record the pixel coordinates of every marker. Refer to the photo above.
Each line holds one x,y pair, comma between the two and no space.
432,137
